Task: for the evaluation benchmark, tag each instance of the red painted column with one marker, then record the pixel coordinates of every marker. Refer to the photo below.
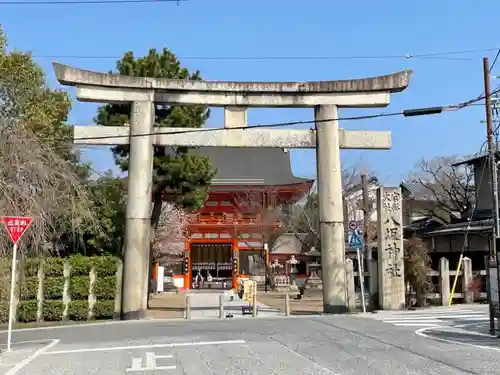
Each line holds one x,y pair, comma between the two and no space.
236,264
187,264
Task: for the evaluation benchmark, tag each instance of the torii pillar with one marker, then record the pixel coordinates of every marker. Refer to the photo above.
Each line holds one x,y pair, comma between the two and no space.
324,96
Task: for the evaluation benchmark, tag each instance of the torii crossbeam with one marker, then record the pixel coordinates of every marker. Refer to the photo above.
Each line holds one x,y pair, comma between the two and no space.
324,96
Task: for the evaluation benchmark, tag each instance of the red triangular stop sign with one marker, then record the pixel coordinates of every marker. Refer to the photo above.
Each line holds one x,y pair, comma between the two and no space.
16,226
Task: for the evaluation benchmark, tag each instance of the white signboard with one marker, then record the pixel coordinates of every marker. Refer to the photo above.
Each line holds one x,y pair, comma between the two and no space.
249,290
160,277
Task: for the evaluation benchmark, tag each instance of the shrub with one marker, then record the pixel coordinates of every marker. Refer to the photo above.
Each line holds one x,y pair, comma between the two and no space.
4,280
80,265
29,288
53,267
78,310
105,265
53,310
53,287
104,309
475,287
4,289
27,311
31,267
4,312
79,287
417,267
105,287
53,306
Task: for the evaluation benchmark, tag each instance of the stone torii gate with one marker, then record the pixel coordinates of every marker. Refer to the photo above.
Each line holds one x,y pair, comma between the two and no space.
324,96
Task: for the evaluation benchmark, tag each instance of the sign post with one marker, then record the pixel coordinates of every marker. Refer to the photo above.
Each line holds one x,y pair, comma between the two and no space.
356,242
15,226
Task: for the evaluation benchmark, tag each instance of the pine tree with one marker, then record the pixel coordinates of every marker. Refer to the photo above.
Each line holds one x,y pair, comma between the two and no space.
185,176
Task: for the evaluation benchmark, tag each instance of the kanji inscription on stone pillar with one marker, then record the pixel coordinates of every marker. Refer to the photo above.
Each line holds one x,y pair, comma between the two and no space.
391,285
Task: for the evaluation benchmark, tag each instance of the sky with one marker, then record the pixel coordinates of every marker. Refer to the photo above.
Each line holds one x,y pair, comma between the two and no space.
326,34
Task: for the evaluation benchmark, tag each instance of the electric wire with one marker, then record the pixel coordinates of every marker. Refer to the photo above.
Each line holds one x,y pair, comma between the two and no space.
495,60
446,55
289,123
85,2
485,161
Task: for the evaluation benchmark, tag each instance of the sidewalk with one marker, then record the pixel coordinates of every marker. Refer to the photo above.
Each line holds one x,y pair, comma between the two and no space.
204,304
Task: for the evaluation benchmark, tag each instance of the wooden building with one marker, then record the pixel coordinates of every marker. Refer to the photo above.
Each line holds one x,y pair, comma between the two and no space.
449,233
228,234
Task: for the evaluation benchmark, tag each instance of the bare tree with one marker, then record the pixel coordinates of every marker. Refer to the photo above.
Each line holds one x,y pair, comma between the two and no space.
417,266
303,219
38,177
35,181
170,232
448,189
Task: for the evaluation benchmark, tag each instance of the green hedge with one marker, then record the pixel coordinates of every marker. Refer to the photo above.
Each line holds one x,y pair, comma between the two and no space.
105,288
27,311
4,312
104,309
53,288
78,310
4,280
53,310
29,288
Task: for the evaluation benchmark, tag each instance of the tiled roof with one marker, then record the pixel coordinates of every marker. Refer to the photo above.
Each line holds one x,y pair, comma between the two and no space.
418,191
251,166
475,226
475,159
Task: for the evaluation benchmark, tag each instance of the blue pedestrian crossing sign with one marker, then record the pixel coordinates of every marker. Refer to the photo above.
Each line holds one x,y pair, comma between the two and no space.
355,240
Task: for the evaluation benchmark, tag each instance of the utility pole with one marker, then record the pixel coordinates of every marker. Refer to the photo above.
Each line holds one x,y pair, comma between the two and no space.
366,218
494,181
366,225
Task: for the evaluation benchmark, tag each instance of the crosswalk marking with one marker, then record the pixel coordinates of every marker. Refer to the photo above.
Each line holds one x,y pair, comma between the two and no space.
432,317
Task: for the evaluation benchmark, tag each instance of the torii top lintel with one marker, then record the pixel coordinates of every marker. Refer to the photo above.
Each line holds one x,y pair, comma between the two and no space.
103,87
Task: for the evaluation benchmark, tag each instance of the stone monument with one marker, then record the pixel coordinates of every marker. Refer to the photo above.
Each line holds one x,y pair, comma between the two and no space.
257,270
391,282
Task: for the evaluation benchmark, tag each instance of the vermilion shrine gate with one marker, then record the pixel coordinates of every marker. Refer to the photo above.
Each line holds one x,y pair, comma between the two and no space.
325,97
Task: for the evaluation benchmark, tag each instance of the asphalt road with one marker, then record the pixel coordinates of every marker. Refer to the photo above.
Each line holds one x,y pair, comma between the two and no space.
280,345
442,316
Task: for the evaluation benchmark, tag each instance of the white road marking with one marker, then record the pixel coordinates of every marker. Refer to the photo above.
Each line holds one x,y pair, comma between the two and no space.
430,318
394,321
416,325
163,356
14,370
28,342
170,345
421,332
136,365
150,363
435,316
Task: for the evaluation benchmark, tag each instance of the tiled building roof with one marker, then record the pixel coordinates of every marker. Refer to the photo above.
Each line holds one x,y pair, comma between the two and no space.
418,191
251,166
475,226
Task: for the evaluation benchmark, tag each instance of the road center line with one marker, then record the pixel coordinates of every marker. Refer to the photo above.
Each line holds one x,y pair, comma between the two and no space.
131,347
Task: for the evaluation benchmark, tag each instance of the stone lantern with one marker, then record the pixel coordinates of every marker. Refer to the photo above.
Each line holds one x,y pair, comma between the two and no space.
293,268
313,267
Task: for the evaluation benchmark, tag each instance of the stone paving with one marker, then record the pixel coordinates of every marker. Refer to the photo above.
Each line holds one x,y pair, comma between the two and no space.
205,304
